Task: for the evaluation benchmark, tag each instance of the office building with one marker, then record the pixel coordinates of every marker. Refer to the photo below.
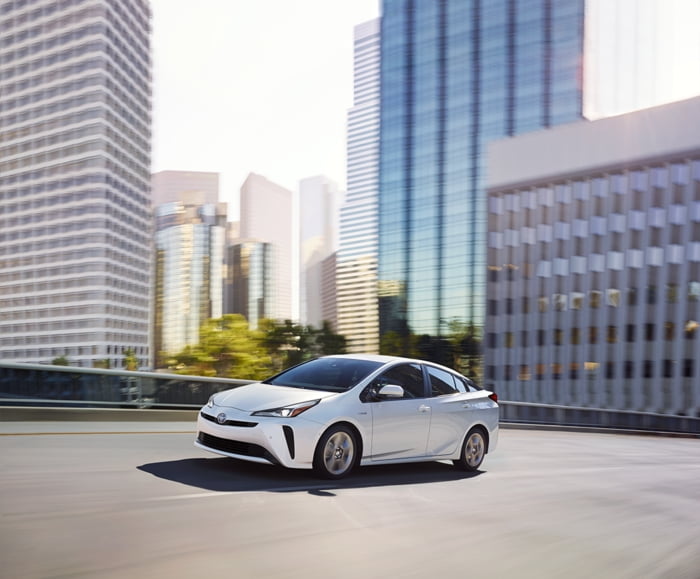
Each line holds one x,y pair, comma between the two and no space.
356,260
319,201
248,288
75,219
454,76
266,216
190,238
594,263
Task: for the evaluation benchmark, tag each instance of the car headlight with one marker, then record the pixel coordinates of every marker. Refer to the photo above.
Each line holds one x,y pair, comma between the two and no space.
210,402
288,411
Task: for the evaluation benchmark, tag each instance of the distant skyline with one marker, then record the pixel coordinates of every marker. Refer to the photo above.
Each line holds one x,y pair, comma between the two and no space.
259,86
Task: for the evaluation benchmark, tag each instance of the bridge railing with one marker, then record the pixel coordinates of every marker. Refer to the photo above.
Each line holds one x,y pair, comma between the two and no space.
45,385
604,418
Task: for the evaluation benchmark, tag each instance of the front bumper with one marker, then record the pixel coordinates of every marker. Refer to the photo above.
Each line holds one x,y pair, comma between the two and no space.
287,442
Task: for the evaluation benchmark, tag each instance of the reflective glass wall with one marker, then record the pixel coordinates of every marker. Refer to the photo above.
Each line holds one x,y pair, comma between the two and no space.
456,74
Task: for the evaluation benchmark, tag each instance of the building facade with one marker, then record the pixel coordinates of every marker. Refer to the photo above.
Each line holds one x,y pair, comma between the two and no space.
319,200
190,238
75,220
594,263
267,215
249,288
356,260
454,76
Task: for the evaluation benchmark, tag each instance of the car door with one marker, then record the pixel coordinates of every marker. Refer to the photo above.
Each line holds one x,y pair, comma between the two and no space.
400,426
453,408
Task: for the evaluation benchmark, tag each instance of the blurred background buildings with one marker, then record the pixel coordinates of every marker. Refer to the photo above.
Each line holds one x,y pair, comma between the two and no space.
475,178
75,156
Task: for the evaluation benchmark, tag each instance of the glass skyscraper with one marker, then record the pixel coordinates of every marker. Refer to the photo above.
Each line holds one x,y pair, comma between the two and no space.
356,276
456,74
75,146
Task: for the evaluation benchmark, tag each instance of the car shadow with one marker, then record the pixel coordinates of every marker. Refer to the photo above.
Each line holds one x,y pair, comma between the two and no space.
231,475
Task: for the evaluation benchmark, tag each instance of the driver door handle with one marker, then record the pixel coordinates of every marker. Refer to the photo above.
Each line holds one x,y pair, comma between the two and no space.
423,408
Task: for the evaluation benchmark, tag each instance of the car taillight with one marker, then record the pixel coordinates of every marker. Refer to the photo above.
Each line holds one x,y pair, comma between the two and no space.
493,396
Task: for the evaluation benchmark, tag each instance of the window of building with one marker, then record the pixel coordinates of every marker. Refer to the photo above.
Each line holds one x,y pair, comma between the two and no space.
688,368
592,335
630,332
629,369
524,373
575,336
649,332
611,334
558,337
669,366
509,340
648,369
595,298
669,331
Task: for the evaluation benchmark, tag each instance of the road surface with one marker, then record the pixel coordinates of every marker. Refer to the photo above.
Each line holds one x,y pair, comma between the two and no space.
113,500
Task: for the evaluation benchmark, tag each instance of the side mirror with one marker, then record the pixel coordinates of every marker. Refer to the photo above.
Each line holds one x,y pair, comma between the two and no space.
390,391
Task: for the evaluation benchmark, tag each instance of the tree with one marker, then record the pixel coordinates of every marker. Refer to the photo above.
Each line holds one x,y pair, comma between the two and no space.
61,361
131,362
227,348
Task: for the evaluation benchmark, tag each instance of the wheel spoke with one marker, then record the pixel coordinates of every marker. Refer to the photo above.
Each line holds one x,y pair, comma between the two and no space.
338,453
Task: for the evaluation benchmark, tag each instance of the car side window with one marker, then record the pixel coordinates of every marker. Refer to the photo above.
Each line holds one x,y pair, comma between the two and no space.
443,382
408,376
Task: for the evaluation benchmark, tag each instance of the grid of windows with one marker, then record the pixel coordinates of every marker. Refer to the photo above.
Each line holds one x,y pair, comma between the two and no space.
75,225
598,316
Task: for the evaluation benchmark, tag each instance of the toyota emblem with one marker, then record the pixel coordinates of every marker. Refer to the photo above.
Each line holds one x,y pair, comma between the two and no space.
221,418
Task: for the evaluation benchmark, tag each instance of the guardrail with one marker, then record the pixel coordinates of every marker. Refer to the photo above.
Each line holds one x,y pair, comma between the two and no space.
68,386
604,418
46,385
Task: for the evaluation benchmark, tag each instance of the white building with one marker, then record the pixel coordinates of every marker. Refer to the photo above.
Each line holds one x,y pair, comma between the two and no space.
356,285
319,200
594,263
75,219
266,216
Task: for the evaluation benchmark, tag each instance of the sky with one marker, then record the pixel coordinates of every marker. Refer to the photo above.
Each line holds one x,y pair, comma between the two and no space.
260,86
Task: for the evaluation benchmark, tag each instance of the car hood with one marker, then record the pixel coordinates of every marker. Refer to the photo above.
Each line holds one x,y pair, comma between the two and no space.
258,396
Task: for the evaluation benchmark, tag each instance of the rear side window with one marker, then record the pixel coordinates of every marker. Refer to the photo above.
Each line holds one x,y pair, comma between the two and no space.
443,382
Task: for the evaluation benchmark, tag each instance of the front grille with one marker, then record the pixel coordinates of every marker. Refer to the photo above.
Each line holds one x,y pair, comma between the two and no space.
239,423
234,446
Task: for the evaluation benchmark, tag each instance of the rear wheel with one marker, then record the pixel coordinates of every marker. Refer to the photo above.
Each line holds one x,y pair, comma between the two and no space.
336,453
473,451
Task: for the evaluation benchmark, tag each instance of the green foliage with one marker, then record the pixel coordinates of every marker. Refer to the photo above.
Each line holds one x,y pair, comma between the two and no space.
61,361
459,348
131,362
229,348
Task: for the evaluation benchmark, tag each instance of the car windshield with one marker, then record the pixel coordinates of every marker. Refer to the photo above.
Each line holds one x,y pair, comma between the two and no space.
328,374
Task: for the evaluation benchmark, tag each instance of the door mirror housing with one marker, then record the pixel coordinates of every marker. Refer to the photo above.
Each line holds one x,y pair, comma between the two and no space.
390,391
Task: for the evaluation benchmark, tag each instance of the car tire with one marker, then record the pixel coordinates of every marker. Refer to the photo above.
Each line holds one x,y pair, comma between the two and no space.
473,451
336,453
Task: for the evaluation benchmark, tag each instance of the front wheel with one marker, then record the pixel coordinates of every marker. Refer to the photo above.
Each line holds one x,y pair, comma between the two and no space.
473,451
336,453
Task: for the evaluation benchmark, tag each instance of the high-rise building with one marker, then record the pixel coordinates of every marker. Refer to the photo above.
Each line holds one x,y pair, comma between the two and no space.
266,216
190,238
167,186
594,263
248,289
356,261
454,76
318,234
75,219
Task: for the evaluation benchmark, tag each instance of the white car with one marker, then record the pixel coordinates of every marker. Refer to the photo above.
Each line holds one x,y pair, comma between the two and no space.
335,412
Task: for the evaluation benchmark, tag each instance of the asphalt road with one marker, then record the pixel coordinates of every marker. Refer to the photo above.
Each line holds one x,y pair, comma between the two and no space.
139,501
